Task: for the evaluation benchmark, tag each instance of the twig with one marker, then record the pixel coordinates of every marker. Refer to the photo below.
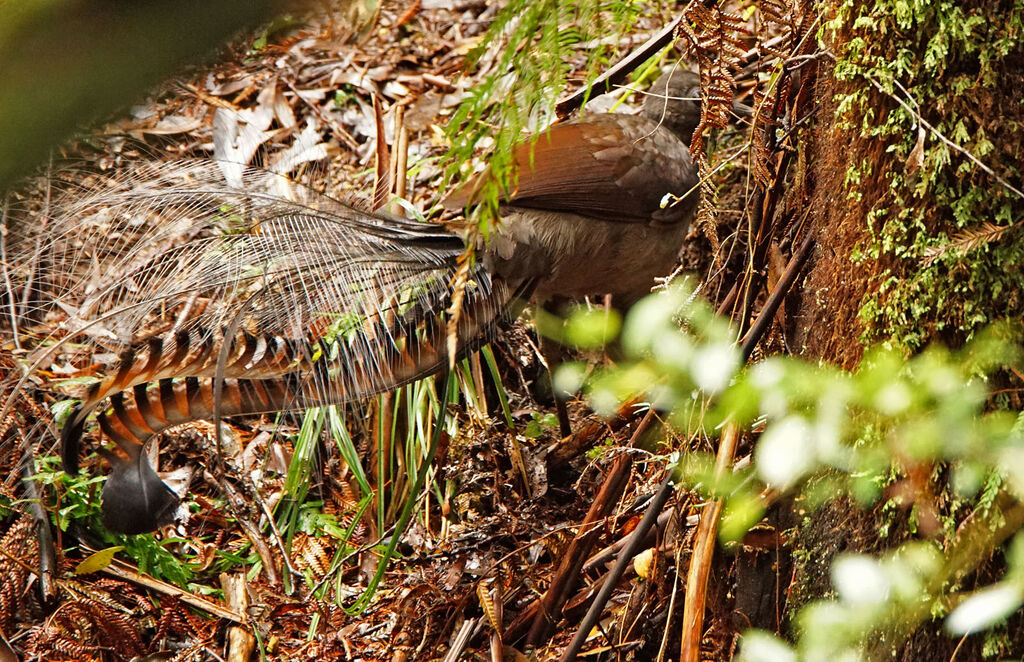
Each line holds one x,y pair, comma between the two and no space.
551,602
615,574
382,181
276,532
209,99
616,74
461,640
703,552
252,532
124,571
587,434
778,295
729,299
47,553
611,550
671,604
751,280
7,274
411,11
565,578
401,153
923,122
186,312
240,641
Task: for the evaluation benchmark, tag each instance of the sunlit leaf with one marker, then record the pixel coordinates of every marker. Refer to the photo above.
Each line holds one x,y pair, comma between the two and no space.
785,452
759,646
97,561
593,328
860,580
985,608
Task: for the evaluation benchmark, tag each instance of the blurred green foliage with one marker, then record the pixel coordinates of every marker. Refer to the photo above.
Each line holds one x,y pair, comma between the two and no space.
826,434
68,63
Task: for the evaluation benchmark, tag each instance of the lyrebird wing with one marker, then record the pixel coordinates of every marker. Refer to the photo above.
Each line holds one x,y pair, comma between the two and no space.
614,167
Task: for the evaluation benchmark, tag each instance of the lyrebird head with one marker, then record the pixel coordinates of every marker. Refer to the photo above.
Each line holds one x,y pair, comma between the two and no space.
674,100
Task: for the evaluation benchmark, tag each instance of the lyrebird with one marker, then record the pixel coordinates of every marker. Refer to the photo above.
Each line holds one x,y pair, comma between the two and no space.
307,301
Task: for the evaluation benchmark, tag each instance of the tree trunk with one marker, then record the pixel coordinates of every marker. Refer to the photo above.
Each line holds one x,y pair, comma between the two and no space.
916,242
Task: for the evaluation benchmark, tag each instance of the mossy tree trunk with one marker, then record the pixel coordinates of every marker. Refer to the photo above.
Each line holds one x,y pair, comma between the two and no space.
913,178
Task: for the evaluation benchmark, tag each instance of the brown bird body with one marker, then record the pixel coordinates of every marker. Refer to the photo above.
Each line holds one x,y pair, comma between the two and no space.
588,217
609,258
589,213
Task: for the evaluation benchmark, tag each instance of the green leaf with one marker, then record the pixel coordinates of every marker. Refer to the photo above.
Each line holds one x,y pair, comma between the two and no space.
97,561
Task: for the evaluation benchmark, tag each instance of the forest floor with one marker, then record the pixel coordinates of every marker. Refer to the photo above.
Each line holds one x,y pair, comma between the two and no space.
507,502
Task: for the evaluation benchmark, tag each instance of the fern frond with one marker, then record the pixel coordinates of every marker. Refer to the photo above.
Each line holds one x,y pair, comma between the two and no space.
968,240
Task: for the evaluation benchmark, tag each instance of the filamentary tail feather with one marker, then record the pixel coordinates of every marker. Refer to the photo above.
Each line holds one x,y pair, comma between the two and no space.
286,297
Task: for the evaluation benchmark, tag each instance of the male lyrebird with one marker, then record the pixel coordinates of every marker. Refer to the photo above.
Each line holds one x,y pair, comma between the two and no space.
296,300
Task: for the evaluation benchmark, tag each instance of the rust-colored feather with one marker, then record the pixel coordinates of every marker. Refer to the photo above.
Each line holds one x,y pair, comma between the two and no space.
613,167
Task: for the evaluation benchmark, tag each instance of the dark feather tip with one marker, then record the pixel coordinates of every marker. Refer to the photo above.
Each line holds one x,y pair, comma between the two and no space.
71,440
135,498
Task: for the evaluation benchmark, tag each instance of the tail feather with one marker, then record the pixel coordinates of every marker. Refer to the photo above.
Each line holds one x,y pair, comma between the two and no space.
71,440
292,297
380,357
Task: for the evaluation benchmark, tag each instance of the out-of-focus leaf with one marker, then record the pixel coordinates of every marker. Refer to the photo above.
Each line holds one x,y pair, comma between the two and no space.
985,608
758,646
67,64
860,580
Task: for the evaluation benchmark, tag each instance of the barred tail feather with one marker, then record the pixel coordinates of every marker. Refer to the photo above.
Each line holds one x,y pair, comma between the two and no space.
71,439
378,358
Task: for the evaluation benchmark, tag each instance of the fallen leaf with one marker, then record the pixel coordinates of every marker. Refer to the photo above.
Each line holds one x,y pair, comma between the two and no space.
97,561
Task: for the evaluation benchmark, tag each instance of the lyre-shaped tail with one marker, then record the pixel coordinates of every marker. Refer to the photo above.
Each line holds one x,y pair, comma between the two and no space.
290,297
382,356
136,500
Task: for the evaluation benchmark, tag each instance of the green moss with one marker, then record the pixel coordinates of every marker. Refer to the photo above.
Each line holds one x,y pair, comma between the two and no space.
961,66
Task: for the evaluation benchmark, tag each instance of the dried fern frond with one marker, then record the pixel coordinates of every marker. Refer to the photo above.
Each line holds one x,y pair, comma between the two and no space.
968,240
19,542
715,38
313,554
82,628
